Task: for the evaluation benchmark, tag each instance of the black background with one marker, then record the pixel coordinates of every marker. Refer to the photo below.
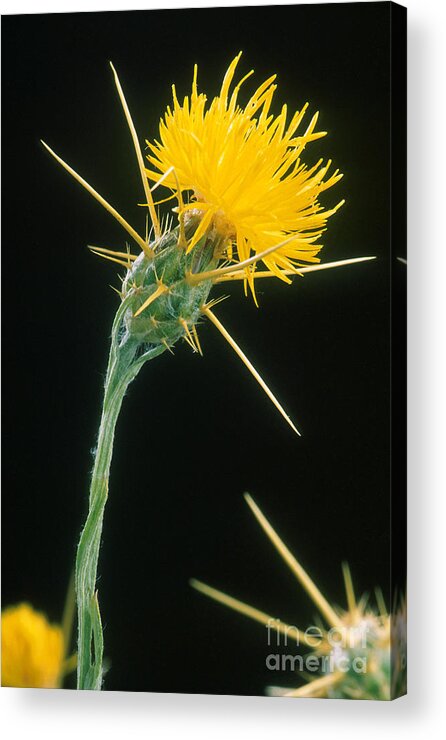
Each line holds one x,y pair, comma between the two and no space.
194,432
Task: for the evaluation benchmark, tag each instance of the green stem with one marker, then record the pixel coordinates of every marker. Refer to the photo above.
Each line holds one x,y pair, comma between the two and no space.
123,366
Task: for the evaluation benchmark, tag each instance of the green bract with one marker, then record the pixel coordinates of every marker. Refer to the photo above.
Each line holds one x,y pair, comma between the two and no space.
163,320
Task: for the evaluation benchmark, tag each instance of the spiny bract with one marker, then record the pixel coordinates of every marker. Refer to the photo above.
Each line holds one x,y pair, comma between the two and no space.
362,653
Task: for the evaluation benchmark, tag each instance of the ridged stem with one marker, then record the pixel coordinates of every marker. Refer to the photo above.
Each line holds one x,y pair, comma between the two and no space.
124,364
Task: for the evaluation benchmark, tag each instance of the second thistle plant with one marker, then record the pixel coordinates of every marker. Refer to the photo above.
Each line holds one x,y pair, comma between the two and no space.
360,655
250,199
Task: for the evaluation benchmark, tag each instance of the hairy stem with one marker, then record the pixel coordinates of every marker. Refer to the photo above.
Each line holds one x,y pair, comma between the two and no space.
124,365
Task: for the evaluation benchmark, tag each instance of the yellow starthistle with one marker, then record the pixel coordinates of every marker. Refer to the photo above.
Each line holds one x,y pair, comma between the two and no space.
243,168
244,197
251,200
33,650
360,653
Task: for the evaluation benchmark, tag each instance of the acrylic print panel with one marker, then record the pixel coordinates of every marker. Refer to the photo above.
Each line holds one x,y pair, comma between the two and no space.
220,508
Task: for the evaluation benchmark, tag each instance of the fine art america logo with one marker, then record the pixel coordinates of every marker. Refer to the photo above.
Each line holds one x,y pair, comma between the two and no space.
340,649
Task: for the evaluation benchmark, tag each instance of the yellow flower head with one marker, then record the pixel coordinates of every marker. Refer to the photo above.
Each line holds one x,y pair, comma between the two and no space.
251,200
32,649
244,168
